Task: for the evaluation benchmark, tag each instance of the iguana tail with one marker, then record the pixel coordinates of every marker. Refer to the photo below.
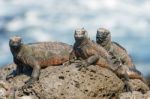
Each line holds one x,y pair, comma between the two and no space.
133,73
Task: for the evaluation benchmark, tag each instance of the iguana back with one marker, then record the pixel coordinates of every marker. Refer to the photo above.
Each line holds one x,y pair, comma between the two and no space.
50,53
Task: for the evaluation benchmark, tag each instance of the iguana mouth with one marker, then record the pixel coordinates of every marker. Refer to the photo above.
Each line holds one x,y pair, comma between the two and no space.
79,39
16,45
100,39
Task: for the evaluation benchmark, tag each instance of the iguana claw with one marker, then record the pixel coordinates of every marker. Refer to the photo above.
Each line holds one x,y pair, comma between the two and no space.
30,81
81,65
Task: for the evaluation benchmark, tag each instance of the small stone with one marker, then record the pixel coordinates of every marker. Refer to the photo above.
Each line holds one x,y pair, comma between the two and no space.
2,92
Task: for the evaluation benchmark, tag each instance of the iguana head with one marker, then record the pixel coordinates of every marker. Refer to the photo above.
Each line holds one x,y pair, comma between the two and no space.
103,36
80,34
15,42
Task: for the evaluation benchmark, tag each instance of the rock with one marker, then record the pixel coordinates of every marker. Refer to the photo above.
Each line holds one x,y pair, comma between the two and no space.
68,82
129,95
134,95
5,70
6,90
2,93
147,95
27,97
138,85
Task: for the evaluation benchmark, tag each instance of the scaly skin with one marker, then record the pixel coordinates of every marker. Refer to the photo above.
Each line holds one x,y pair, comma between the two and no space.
53,53
93,54
118,54
38,55
89,51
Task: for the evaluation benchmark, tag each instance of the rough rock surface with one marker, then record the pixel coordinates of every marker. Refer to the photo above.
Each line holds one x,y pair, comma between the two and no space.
68,82
5,70
138,85
134,95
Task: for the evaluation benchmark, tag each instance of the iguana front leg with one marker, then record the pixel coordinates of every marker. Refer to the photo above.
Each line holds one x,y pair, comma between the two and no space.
126,82
91,60
19,69
122,73
36,70
35,75
72,56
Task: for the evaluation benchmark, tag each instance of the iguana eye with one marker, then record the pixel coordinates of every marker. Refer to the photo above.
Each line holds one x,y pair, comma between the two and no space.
12,42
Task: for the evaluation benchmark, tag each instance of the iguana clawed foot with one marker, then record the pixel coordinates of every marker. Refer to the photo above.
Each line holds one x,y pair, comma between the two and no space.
8,77
28,84
30,81
68,62
128,87
83,64
11,75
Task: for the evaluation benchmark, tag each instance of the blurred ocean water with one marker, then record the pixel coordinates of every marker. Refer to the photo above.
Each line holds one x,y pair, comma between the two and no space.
55,20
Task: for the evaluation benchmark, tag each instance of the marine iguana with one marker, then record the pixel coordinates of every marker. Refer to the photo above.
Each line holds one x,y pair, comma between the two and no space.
90,52
37,55
118,53
94,54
